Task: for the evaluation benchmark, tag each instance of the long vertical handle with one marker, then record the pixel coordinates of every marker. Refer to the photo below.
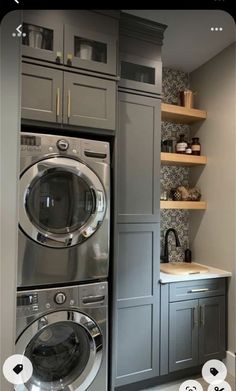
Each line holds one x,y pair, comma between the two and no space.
68,105
195,317
58,102
202,315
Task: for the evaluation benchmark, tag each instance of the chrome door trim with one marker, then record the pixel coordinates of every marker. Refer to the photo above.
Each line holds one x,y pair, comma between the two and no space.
78,168
96,347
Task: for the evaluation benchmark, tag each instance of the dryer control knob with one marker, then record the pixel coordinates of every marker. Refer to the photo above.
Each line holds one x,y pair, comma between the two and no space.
62,144
60,298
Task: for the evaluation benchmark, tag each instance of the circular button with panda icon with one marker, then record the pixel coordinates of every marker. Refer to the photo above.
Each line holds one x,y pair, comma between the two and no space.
190,385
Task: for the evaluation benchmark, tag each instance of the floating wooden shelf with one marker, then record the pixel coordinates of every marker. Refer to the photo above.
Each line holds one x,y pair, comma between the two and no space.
183,205
178,159
180,114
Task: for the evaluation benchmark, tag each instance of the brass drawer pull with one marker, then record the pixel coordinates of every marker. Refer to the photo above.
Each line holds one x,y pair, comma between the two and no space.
199,290
68,105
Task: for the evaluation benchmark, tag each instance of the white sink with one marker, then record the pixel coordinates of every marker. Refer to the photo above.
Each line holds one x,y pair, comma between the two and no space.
183,268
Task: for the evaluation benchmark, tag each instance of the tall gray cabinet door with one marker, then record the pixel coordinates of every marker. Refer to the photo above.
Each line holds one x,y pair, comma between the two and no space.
136,316
89,101
138,159
41,93
183,335
212,328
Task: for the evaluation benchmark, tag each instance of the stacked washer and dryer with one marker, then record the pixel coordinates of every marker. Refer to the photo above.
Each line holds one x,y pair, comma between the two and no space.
63,260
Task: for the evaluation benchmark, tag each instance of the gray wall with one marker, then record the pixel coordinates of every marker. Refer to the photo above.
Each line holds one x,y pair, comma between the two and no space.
10,125
213,231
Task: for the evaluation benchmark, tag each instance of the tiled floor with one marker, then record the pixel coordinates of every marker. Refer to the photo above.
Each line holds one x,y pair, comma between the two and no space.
174,386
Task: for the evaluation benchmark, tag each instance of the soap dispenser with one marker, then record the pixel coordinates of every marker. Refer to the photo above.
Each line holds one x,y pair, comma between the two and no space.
188,255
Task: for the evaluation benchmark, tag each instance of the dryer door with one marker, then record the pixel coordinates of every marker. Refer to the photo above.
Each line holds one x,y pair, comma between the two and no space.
65,349
62,202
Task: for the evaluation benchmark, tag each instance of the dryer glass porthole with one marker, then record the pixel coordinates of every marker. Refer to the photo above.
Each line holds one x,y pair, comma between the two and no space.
59,202
59,354
62,200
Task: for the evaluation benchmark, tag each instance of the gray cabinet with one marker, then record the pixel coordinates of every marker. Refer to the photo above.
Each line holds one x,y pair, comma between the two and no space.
89,101
41,93
183,335
136,292
211,328
194,312
81,39
140,54
90,49
51,95
140,74
138,159
136,320
43,38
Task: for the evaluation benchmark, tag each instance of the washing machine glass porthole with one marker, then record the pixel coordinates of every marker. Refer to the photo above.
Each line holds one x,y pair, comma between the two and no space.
59,354
59,202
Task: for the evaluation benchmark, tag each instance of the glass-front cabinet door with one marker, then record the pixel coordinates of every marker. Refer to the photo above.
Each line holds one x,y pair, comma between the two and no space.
139,73
90,50
42,37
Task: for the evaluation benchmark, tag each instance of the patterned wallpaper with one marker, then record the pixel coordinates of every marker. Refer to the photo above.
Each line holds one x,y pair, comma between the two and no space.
172,176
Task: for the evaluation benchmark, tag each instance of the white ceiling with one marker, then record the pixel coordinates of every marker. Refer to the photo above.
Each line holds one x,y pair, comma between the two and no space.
188,39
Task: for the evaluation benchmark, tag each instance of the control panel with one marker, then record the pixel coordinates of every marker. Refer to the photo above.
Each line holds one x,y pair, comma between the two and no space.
34,145
30,303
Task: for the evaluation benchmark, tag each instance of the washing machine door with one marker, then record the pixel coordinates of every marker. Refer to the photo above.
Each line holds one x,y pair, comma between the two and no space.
65,349
62,202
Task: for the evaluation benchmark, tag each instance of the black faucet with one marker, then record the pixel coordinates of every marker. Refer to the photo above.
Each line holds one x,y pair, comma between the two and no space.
165,257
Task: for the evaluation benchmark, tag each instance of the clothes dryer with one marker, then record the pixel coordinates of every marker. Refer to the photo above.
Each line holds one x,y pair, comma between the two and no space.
64,210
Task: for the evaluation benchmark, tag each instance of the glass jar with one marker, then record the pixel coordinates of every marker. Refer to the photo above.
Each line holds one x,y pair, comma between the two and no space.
196,146
188,150
181,144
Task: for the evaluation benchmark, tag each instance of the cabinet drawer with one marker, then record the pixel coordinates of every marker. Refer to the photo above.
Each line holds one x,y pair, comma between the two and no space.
196,289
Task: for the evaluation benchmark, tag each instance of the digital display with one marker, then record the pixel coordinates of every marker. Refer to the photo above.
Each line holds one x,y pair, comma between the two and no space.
26,300
30,140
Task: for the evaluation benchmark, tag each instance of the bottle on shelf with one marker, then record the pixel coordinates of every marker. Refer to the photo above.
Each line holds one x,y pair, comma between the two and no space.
196,146
181,144
188,150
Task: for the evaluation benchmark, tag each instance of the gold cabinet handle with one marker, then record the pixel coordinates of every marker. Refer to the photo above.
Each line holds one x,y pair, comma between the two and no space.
68,104
202,315
58,102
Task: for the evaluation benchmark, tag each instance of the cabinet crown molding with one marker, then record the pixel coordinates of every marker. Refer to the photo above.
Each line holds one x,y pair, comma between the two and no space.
140,28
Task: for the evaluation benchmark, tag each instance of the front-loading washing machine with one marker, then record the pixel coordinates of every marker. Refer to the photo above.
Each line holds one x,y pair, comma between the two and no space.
63,332
64,210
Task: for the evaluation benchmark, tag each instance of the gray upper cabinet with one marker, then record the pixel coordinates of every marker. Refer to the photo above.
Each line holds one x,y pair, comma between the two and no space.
140,74
44,36
41,93
89,101
138,159
51,95
90,50
81,39
140,54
